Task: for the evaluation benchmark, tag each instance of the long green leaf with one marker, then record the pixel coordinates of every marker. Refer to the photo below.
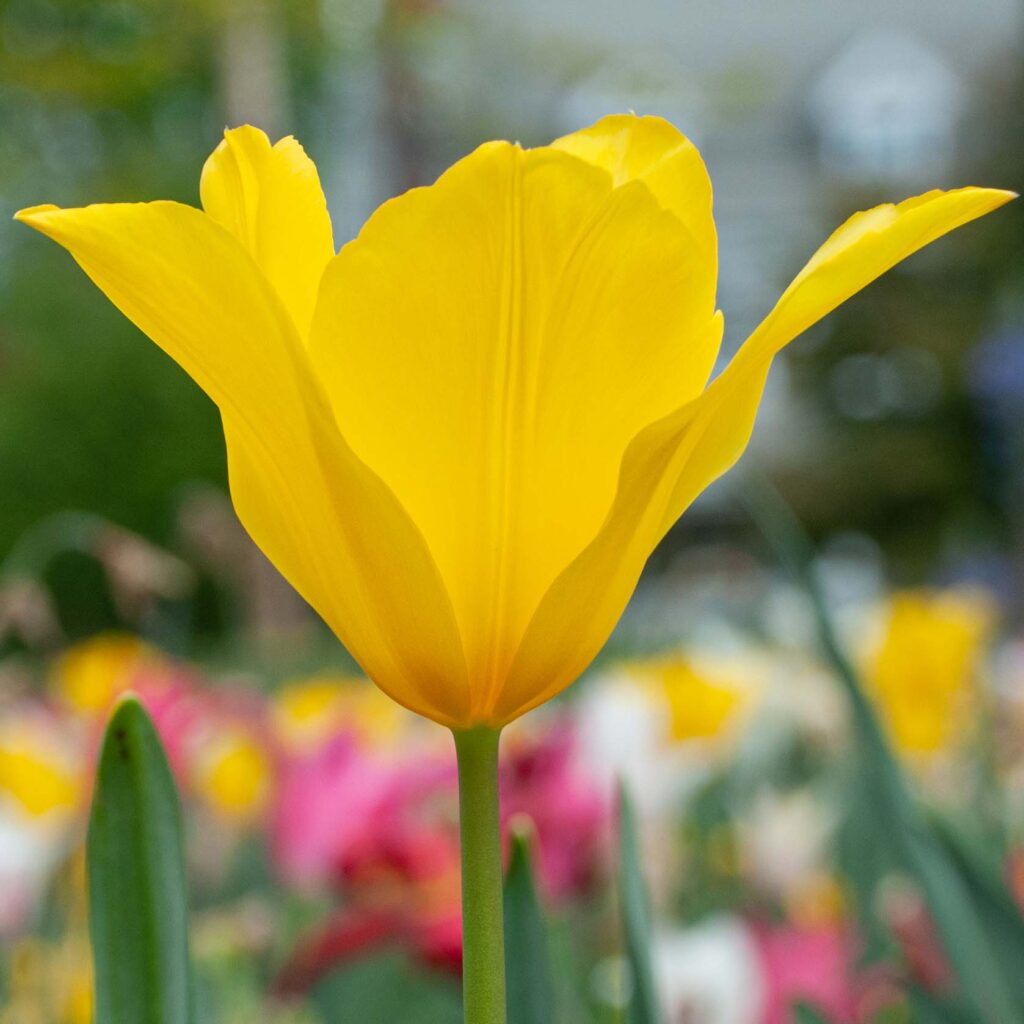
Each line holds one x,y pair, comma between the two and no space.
636,917
138,917
936,1008
528,978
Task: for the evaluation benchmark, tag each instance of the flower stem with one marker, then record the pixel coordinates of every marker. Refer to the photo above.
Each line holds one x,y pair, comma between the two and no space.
483,938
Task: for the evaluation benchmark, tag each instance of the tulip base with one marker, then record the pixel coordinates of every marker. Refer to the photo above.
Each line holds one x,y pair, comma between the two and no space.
483,937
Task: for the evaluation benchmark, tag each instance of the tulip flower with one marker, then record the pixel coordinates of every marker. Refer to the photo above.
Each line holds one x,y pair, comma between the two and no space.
924,674
461,436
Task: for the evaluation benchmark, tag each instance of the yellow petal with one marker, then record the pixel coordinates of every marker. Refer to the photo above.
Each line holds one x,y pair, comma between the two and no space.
652,151
865,247
270,199
670,462
324,519
490,345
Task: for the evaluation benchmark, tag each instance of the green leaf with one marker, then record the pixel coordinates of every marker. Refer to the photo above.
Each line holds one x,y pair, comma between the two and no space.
804,1013
138,917
636,917
968,943
383,989
936,1008
528,979
982,869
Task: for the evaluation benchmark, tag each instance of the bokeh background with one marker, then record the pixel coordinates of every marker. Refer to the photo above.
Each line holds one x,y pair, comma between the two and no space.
894,432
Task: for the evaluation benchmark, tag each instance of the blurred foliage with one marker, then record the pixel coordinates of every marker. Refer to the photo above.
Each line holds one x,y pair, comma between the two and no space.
104,101
918,458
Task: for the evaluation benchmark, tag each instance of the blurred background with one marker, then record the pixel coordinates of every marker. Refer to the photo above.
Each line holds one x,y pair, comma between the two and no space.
320,818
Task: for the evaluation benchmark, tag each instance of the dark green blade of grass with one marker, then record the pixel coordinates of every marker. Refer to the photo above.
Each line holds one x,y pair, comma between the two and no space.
529,981
138,916
636,917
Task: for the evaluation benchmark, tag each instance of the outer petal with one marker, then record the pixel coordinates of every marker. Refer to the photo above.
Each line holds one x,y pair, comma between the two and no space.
326,521
669,463
270,199
490,345
656,153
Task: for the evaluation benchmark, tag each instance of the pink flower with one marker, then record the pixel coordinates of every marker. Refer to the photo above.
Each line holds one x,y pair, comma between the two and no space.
344,807
383,827
814,965
541,780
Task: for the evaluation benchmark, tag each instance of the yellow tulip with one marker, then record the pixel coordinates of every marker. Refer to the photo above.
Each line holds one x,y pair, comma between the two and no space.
89,675
307,712
461,437
700,702
924,674
232,774
39,771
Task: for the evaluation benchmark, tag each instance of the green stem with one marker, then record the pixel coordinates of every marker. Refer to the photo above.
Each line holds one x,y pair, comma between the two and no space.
483,937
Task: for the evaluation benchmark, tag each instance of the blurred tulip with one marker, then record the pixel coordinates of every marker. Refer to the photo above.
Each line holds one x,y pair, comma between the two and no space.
215,741
231,771
43,782
701,700
381,824
544,779
727,970
40,770
307,712
815,966
925,672
91,674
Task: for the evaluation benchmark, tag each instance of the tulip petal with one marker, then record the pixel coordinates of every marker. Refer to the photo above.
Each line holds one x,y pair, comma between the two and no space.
270,199
670,462
862,249
490,345
326,521
656,153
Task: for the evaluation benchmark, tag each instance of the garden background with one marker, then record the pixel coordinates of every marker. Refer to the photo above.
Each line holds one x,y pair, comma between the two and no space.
320,819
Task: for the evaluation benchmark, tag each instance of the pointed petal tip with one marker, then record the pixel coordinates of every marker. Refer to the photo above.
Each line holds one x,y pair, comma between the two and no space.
631,116
32,215
989,198
995,196
246,130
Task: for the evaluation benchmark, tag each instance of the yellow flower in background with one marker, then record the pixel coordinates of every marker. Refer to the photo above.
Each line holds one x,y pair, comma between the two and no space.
924,674
37,770
307,712
461,437
89,675
817,900
51,981
232,773
701,703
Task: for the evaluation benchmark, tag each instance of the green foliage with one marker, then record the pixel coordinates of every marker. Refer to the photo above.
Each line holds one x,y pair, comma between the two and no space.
94,416
385,989
529,985
137,895
636,917
806,1014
